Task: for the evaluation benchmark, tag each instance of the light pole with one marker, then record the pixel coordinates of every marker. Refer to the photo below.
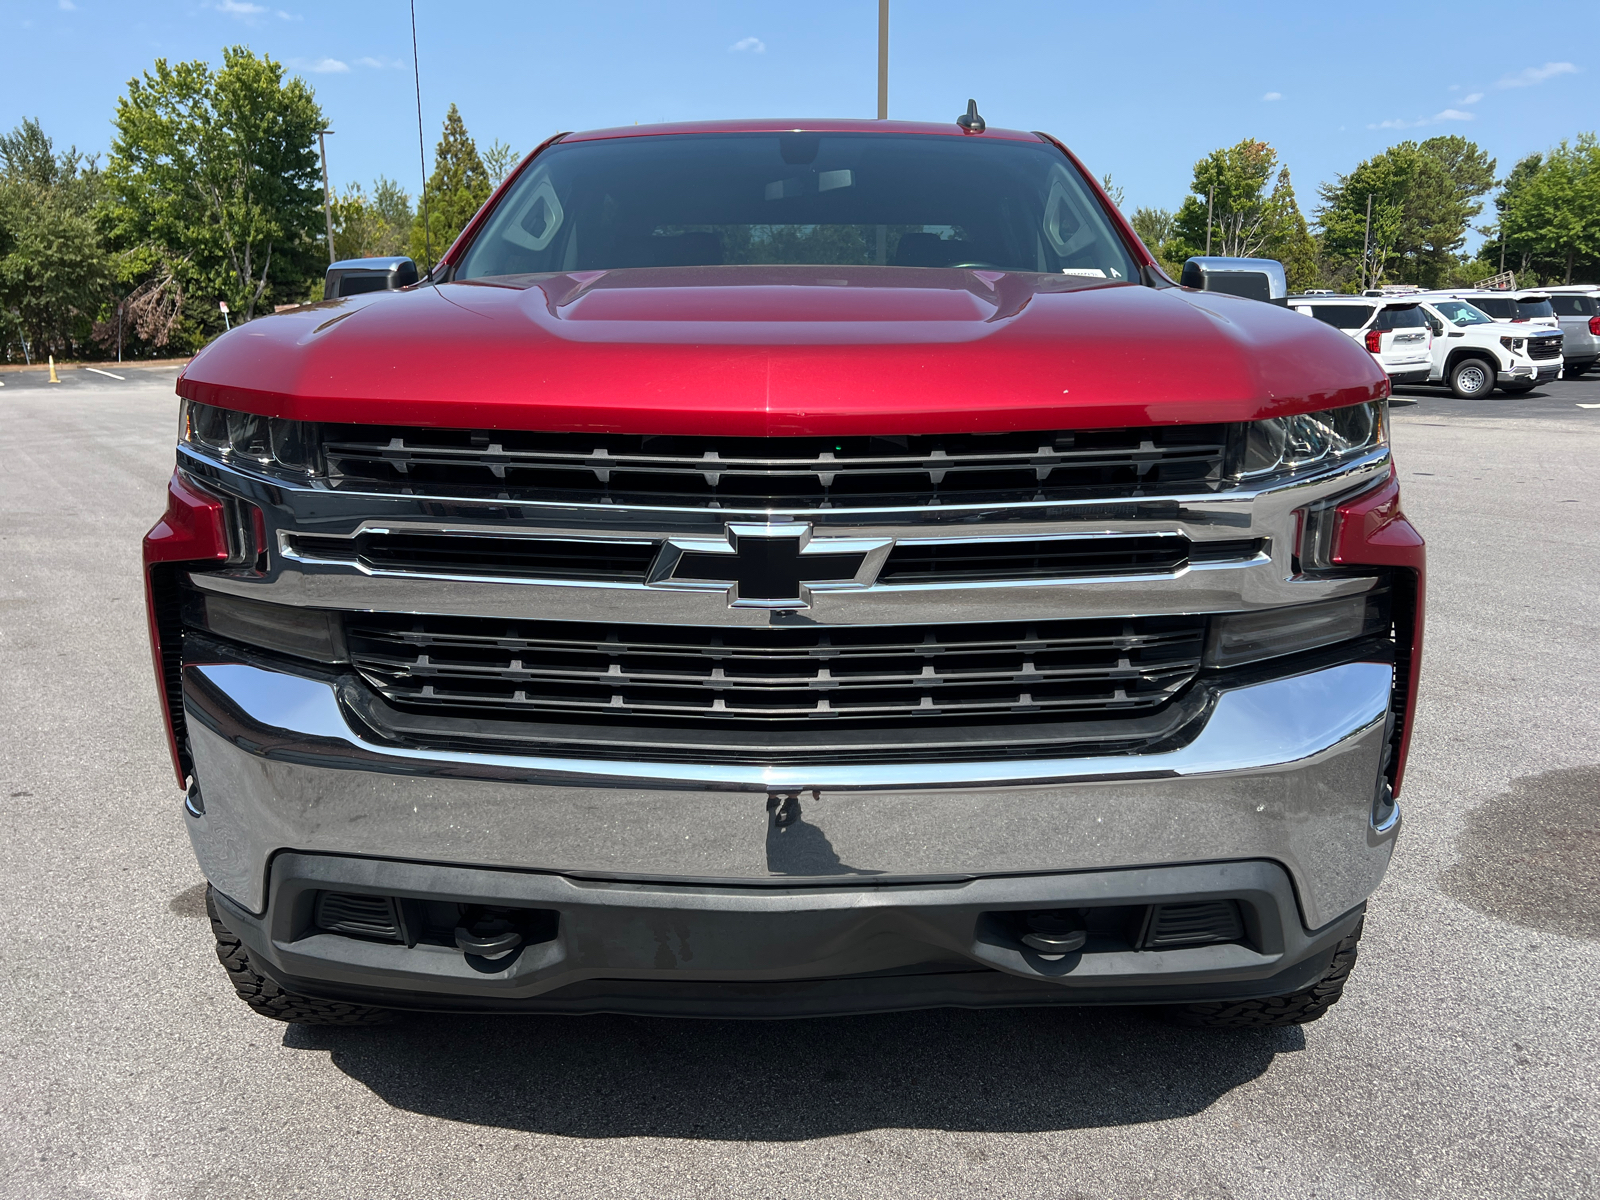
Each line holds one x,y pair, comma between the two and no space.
327,199
1366,242
883,60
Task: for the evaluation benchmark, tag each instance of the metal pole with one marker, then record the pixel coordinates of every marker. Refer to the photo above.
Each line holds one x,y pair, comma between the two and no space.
119,331
327,199
422,156
1366,240
883,60
1210,193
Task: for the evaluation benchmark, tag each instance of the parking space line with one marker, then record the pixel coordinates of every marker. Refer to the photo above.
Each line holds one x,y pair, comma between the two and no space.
107,374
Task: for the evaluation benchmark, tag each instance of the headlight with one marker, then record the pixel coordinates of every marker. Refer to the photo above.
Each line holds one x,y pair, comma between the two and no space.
1513,343
245,438
1281,445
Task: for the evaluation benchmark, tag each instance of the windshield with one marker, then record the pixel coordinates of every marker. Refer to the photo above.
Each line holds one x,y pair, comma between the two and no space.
1342,316
1534,308
1409,317
1502,307
844,199
1459,312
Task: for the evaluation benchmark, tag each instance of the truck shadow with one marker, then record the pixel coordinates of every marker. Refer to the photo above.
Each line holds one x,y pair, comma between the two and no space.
1019,1070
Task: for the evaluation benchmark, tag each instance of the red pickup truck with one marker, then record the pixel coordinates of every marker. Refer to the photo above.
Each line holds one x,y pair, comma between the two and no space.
779,568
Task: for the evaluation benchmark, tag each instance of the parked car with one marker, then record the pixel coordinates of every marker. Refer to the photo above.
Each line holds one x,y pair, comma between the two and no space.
1473,352
777,568
1577,308
1530,307
1393,330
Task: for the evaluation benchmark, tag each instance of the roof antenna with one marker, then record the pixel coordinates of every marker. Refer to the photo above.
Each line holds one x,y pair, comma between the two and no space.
422,156
970,121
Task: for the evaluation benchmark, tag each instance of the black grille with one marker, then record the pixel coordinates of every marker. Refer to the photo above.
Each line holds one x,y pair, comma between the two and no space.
1544,347
802,472
655,673
461,554
1060,558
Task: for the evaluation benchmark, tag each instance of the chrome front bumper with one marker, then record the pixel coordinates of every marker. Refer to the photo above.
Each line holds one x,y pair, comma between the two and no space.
1283,770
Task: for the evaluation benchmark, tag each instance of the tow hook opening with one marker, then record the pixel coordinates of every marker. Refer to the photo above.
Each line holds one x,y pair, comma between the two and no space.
1054,934
488,932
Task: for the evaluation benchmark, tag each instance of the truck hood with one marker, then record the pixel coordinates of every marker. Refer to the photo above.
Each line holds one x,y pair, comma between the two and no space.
761,351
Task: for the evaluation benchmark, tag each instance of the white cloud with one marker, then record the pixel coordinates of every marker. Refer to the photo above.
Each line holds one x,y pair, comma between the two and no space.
1472,99
752,44
1535,75
1273,96
320,66
285,16
68,6
379,64
1449,114
238,8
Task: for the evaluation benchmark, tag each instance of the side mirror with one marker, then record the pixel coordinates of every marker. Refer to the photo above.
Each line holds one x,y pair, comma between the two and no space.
356,276
1252,278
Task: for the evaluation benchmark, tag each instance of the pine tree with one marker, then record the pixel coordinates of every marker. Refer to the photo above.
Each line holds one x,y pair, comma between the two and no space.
456,191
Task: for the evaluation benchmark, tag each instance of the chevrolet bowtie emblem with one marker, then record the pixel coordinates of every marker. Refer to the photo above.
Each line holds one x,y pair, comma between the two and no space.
769,566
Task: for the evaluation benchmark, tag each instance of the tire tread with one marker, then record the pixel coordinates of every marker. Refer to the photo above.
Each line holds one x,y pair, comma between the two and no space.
1297,1008
270,1000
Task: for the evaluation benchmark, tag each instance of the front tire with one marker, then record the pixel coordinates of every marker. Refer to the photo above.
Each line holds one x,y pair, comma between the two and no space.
1472,378
1297,1008
270,1000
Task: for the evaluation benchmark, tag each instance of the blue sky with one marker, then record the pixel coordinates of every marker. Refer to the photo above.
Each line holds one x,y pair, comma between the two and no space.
1137,89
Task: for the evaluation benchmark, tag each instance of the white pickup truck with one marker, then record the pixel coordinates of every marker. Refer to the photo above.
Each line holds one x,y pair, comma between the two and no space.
1461,346
1473,351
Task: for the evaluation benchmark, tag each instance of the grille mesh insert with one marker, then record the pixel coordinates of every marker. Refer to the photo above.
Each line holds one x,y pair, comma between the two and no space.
801,472
765,675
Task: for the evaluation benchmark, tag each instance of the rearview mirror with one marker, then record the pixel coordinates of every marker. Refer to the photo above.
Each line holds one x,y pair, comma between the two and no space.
357,276
1252,278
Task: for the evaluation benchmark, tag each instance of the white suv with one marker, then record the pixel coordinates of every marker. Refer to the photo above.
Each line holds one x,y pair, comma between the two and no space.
1393,329
1512,306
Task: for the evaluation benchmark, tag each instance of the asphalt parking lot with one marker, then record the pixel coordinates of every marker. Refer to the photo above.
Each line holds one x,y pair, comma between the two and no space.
1461,1063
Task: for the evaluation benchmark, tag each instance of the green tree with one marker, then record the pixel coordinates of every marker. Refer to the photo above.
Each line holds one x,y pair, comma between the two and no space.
379,226
55,272
498,160
1155,227
1423,195
1551,217
1494,248
393,205
455,191
1241,204
214,184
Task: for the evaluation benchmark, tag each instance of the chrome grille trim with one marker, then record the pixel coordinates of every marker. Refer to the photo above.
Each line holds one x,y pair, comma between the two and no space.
770,675
803,472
